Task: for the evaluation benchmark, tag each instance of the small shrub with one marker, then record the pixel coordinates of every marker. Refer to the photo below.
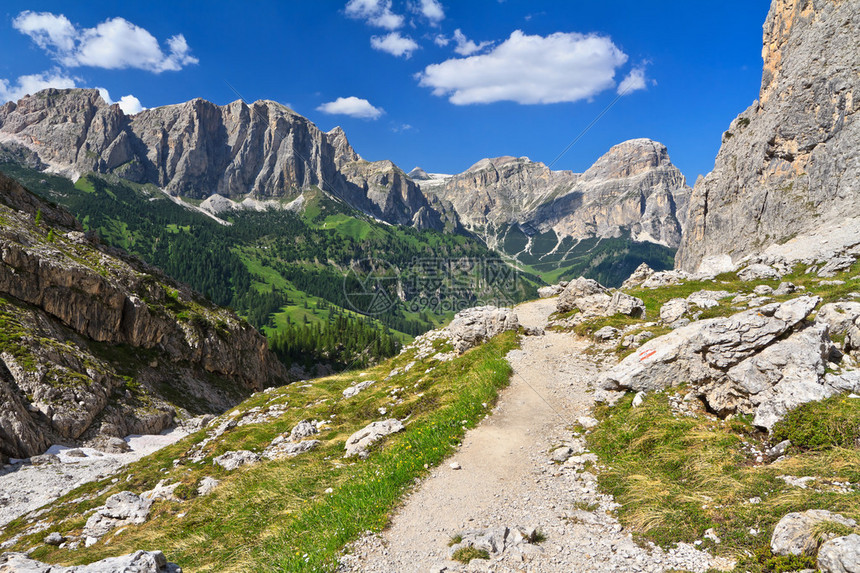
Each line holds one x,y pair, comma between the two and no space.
822,425
455,540
743,122
466,554
770,563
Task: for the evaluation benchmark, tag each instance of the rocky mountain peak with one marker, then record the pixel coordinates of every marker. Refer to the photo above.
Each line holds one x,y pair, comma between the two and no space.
629,159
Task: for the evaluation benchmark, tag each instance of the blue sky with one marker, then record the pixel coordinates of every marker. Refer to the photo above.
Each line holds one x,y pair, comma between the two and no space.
435,83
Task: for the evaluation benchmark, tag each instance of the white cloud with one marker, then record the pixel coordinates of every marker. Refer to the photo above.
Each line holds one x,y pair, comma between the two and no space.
394,44
47,30
113,44
33,83
433,11
465,46
129,104
353,107
561,67
634,81
441,40
375,12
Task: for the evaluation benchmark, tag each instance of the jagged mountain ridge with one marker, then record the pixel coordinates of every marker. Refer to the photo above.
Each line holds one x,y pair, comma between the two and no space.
788,166
95,342
632,189
198,149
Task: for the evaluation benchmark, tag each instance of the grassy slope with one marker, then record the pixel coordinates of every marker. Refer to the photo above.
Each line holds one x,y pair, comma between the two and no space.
677,476
275,516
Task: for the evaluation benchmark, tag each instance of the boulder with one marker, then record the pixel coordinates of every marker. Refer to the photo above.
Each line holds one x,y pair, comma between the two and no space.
673,310
358,443
840,555
784,289
54,538
286,449
137,562
473,326
550,291
736,364
795,533
838,316
707,298
232,460
592,299
835,265
606,333
777,379
642,273
120,509
757,272
575,290
665,278
356,388
304,429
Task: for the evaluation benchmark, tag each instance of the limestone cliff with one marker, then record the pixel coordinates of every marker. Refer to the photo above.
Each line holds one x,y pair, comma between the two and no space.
197,149
634,188
789,165
94,341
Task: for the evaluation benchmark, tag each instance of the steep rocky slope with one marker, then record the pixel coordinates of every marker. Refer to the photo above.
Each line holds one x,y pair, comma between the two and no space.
197,149
633,188
789,165
93,341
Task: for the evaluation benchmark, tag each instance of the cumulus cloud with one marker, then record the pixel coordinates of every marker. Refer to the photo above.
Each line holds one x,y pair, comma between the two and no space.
33,83
129,104
375,12
353,107
394,44
465,46
432,10
115,43
634,81
561,67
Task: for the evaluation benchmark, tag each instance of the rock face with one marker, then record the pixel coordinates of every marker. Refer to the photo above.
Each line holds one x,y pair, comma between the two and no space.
789,165
764,361
197,149
91,340
633,188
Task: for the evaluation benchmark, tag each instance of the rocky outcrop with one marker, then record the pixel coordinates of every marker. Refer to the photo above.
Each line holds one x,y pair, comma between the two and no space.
94,341
196,149
633,189
789,165
764,362
473,326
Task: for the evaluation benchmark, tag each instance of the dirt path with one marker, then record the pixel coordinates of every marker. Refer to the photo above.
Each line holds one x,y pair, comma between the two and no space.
508,479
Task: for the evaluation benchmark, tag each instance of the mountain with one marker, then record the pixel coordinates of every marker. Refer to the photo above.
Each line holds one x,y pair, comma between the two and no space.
633,197
198,149
95,342
633,187
787,177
